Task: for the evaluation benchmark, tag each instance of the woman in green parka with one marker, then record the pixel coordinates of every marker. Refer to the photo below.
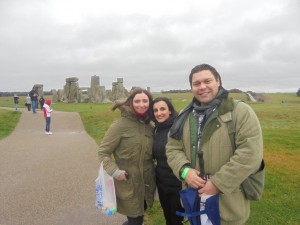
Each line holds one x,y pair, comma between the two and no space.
126,152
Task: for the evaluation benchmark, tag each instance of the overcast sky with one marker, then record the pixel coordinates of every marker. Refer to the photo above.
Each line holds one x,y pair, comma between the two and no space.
254,44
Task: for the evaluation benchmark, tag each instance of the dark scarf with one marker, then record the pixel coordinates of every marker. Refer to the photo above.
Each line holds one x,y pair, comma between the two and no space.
168,123
177,128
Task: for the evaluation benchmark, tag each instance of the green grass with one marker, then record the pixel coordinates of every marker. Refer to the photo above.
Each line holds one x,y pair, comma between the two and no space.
281,131
95,117
8,121
154,216
279,116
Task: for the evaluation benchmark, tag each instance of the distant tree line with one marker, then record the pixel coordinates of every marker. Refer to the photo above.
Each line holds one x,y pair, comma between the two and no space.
176,91
7,94
189,90
235,90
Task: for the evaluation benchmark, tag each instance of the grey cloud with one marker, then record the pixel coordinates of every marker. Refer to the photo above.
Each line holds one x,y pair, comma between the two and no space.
252,44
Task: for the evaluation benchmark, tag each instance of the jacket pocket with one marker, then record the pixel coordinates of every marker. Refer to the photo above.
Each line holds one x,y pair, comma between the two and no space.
129,147
124,189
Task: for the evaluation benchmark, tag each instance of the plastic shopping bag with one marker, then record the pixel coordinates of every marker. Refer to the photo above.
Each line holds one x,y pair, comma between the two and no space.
105,193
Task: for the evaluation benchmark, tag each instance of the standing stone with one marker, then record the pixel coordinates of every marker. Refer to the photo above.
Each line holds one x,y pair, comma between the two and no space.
94,92
118,90
54,95
84,94
97,93
39,89
60,95
108,94
71,89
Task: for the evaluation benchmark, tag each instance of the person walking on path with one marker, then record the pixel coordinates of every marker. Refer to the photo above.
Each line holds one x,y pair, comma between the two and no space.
129,140
168,185
16,101
42,101
34,99
47,115
202,128
28,102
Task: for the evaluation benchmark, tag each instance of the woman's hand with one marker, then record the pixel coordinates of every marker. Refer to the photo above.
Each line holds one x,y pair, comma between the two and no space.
122,176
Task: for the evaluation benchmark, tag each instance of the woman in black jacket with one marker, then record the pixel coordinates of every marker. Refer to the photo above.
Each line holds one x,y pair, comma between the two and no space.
167,184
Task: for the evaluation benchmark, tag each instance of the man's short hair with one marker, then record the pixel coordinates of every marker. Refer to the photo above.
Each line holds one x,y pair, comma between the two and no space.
202,67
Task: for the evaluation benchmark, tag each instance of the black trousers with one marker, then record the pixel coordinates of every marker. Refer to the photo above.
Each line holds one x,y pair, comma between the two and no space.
170,204
135,221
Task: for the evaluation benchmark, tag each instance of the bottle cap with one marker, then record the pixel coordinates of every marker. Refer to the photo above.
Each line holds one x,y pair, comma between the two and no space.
111,211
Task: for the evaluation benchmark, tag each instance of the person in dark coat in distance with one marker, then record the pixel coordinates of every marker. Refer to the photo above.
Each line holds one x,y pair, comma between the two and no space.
34,99
41,101
16,101
167,183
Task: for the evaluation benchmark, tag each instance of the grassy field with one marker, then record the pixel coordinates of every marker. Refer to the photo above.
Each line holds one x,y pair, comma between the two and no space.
280,120
8,121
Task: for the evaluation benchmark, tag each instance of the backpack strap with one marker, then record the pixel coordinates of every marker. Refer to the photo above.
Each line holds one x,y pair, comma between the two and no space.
193,138
232,124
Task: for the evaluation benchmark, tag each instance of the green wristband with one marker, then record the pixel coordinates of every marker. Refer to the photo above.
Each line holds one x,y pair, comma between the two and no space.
185,171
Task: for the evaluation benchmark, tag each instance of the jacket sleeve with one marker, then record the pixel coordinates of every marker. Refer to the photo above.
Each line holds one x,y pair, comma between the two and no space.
108,145
248,154
176,156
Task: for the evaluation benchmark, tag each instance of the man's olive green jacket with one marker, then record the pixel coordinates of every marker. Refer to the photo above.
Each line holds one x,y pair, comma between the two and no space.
228,168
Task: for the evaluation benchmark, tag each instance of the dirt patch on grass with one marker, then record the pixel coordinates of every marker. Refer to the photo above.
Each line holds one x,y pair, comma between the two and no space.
281,161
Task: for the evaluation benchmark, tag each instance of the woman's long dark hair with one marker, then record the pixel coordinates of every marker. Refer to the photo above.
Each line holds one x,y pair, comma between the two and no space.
129,101
169,104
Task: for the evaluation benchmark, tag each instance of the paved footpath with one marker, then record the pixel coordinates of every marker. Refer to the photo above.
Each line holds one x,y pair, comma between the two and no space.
50,179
